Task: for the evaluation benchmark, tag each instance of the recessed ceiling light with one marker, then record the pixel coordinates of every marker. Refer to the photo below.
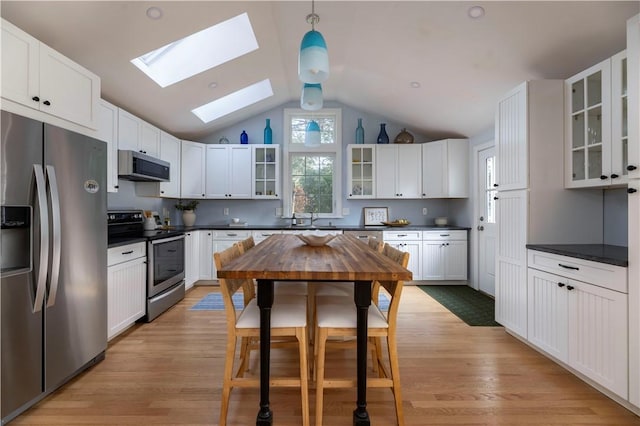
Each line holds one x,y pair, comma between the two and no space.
476,12
213,85
234,101
414,85
154,12
199,52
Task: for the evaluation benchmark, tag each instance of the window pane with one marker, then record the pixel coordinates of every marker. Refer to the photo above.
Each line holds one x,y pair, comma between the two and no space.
327,129
312,183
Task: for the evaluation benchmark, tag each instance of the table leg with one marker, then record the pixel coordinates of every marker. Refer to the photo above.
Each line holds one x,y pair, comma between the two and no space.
265,302
362,298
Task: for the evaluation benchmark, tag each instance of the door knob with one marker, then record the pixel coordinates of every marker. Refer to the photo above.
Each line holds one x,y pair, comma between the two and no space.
480,228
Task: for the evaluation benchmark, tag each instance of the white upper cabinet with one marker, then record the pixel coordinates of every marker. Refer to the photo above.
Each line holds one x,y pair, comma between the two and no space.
228,171
399,175
633,105
170,148
511,140
597,130
137,135
38,77
266,171
445,169
361,171
108,131
170,152
192,176
588,127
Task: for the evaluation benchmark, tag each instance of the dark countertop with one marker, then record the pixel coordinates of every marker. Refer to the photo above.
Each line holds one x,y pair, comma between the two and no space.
603,253
322,228
177,230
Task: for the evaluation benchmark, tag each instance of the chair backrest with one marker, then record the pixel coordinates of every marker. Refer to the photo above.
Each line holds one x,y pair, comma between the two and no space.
228,287
246,244
249,288
394,287
376,244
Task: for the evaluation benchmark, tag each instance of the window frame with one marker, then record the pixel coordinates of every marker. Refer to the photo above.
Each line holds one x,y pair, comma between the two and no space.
334,149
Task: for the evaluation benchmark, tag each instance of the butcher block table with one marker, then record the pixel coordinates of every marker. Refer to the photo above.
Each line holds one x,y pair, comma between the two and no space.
283,257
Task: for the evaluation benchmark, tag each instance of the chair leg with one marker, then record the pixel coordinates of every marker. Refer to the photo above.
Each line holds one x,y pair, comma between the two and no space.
321,341
395,376
245,354
304,370
226,379
378,349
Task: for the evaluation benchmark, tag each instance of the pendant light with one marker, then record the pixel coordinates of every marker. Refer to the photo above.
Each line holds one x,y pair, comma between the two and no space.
311,98
313,59
312,134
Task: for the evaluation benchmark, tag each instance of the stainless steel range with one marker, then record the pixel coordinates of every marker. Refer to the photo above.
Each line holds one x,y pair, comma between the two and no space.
165,258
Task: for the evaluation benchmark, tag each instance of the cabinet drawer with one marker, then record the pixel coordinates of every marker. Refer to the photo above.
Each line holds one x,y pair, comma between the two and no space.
600,274
263,235
444,235
231,234
121,254
402,235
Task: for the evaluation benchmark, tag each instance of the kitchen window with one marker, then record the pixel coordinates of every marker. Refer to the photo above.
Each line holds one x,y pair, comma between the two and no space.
312,182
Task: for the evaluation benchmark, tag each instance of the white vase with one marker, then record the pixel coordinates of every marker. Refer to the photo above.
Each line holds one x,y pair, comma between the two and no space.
188,218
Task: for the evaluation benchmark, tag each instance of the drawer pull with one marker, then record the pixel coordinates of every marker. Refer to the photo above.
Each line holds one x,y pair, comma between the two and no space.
402,235
362,237
127,252
172,251
232,235
444,235
569,267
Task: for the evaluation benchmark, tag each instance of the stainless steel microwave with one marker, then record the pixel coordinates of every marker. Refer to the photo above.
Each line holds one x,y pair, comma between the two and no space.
136,166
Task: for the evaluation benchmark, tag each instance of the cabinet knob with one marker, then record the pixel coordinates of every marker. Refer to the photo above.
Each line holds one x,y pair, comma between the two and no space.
570,287
495,198
116,186
631,190
631,168
35,98
603,177
47,103
614,176
561,285
162,192
495,185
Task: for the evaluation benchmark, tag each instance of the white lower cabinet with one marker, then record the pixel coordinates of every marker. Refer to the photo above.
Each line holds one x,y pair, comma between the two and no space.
580,324
126,286
206,269
222,240
191,258
444,255
409,241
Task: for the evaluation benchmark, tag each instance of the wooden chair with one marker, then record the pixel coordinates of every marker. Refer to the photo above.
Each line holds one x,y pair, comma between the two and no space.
287,320
339,320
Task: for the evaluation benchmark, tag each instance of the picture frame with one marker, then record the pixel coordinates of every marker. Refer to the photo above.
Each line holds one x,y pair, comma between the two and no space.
375,215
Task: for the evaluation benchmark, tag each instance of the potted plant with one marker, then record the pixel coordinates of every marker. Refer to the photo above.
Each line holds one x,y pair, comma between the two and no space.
188,214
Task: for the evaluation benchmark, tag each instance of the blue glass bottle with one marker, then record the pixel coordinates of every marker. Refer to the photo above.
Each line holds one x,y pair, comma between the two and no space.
244,138
383,137
268,134
359,132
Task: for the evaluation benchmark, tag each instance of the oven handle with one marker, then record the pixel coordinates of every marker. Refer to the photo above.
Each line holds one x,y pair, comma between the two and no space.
166,240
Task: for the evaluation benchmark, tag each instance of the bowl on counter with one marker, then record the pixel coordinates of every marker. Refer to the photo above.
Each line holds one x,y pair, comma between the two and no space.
440,221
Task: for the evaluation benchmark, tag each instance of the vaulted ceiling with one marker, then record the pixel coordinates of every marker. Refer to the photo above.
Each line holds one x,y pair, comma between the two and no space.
377,49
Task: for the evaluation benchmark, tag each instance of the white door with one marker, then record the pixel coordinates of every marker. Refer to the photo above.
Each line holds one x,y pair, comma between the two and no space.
486,220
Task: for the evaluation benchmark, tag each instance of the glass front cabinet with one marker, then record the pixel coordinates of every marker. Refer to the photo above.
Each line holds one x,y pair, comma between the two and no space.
361,170
266,171
596,125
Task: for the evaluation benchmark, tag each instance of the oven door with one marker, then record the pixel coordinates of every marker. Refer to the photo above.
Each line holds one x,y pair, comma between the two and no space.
166,264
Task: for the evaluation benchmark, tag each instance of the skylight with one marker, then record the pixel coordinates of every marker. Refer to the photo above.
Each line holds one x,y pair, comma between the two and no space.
234,101
199,52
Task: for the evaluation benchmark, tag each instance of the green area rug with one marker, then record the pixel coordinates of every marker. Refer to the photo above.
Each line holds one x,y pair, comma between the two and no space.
471,306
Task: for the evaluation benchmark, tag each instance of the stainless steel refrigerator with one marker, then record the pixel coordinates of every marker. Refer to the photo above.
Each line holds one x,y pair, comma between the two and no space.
53,242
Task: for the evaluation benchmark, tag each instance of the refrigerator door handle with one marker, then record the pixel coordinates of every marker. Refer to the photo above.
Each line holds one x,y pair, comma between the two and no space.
56,233
41,195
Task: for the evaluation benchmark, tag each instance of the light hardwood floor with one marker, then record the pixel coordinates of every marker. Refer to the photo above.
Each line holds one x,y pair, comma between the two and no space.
168,372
